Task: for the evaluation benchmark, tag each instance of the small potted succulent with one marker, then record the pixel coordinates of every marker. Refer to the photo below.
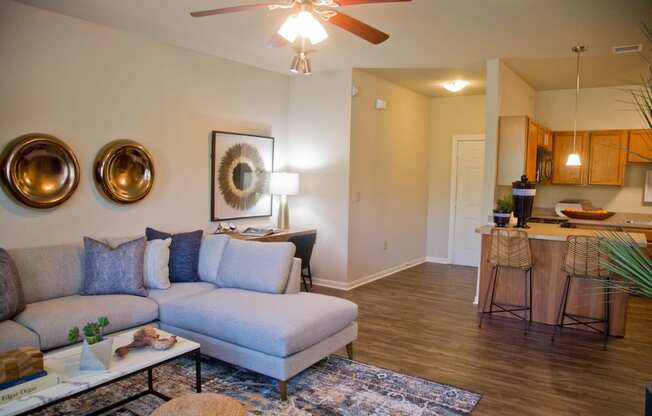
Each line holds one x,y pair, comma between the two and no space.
503,211
96,350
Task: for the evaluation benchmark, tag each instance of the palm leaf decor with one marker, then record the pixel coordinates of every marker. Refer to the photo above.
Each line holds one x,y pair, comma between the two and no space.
625,258
642,94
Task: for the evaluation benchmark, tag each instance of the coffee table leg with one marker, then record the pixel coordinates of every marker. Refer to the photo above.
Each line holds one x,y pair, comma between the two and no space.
198,371
150,380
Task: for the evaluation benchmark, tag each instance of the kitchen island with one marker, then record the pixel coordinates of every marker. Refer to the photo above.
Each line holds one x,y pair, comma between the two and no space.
548,246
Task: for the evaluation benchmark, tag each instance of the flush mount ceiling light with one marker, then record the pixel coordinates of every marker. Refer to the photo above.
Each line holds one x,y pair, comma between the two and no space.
305,24
574,158
455,85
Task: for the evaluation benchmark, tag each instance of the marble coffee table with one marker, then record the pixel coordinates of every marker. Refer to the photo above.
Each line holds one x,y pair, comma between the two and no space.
73,382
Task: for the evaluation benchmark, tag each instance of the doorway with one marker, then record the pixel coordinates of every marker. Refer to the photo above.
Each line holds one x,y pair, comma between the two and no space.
467,175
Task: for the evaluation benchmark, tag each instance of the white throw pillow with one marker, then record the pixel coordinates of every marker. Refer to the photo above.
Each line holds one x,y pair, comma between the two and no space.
210,255
156,271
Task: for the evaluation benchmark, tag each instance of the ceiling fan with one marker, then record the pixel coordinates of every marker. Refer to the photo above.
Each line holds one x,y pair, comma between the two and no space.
305,24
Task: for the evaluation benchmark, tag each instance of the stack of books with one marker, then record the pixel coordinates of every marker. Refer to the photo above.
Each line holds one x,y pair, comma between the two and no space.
22,373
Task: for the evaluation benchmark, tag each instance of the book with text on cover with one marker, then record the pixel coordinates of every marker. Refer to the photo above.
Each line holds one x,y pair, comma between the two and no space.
28,387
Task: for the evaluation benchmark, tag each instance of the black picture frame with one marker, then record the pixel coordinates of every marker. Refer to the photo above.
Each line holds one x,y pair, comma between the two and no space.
214,191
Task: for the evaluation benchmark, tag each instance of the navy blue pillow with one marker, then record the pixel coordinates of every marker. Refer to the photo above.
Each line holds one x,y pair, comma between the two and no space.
184,253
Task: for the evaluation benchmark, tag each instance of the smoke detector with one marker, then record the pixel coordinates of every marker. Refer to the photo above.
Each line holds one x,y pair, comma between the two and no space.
625,49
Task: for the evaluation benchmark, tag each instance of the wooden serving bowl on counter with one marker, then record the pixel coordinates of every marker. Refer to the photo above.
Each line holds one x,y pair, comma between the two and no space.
598,214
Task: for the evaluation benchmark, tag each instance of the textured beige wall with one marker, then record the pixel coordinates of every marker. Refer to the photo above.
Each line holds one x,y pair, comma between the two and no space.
389,176
89,84
599,109
319,136
449,116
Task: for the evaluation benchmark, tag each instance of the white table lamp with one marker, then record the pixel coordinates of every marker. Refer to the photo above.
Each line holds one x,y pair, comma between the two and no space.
284,184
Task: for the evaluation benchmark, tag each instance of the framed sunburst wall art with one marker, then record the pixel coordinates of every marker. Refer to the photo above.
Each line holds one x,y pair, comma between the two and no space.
240,168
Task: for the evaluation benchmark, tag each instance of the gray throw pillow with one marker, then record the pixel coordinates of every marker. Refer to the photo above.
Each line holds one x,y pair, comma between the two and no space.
110,271
12,299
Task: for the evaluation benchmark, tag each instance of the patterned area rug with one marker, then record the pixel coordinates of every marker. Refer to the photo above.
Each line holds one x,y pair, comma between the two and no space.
336,386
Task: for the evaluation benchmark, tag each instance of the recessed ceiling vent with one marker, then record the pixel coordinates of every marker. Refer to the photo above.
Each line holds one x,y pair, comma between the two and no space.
624,49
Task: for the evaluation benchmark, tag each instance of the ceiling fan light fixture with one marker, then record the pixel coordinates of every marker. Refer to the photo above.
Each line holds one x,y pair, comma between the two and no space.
455,85
304,25
296,65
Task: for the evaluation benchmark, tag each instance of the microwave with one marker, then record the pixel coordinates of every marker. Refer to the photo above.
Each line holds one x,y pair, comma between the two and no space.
544,165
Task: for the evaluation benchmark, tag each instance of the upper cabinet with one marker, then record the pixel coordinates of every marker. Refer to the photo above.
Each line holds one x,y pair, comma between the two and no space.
607,153
517,149
562,147
640,142
533,130
603,155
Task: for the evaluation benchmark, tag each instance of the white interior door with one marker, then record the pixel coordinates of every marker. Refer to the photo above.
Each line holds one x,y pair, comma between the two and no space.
467,182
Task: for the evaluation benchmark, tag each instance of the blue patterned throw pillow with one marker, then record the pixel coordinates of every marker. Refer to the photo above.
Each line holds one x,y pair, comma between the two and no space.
111,271
184,253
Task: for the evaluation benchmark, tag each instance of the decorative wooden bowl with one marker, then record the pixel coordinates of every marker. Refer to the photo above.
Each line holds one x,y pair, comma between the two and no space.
599,214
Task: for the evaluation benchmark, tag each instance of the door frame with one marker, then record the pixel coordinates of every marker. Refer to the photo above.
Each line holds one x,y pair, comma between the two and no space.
452,210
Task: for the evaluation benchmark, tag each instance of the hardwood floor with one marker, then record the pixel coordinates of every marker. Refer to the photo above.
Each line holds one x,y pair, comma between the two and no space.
422,322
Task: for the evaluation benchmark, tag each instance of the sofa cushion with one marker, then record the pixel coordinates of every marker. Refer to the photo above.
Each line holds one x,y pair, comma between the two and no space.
49,272
263,267
12,299
156,269
110,270
13,335
178,291
210,256
51,319
278,325
184,253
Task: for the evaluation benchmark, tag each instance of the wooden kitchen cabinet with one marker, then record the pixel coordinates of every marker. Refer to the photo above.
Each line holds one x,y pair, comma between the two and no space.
640,141
562,147
607,157
531,150
545,138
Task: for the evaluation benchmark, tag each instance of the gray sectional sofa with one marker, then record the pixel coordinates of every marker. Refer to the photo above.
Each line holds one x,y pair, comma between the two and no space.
247,310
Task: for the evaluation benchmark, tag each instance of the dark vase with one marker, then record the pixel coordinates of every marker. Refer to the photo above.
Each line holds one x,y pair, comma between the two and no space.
501,218
648,399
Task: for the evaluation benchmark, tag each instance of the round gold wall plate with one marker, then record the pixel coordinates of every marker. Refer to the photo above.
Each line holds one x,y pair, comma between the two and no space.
124,171
39,170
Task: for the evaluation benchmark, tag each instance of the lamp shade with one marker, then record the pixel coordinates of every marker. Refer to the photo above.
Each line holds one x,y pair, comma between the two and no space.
283,183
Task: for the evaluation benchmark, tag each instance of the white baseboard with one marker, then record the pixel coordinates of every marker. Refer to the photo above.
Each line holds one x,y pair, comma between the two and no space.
440,260
333,284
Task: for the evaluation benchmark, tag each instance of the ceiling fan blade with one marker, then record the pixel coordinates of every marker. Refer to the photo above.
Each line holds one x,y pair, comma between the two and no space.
358,28
355,2
233,9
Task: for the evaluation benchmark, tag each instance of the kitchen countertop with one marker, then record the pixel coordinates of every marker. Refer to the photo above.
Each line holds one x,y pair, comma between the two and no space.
619,219
554,232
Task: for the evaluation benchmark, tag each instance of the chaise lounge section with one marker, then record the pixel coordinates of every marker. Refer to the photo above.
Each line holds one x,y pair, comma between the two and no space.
246,310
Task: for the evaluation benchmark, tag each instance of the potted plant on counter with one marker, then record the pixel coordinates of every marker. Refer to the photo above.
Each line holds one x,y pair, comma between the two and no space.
96,351
503,211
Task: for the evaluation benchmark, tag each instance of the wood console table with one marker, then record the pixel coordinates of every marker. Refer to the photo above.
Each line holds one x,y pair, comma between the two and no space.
282,235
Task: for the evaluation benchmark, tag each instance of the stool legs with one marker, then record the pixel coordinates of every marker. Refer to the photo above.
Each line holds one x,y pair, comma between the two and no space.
582,320
491,293
607,308
490,287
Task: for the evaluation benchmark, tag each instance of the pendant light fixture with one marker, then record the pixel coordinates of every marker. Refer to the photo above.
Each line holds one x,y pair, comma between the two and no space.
574,158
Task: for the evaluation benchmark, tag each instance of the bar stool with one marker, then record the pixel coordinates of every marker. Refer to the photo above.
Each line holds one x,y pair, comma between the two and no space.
584,261
509,248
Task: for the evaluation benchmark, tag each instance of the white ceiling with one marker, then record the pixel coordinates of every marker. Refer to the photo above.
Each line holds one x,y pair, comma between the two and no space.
442,37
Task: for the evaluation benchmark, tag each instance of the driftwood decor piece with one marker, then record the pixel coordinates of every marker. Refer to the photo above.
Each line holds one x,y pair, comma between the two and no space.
124,171
39,170
147,337
19,363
